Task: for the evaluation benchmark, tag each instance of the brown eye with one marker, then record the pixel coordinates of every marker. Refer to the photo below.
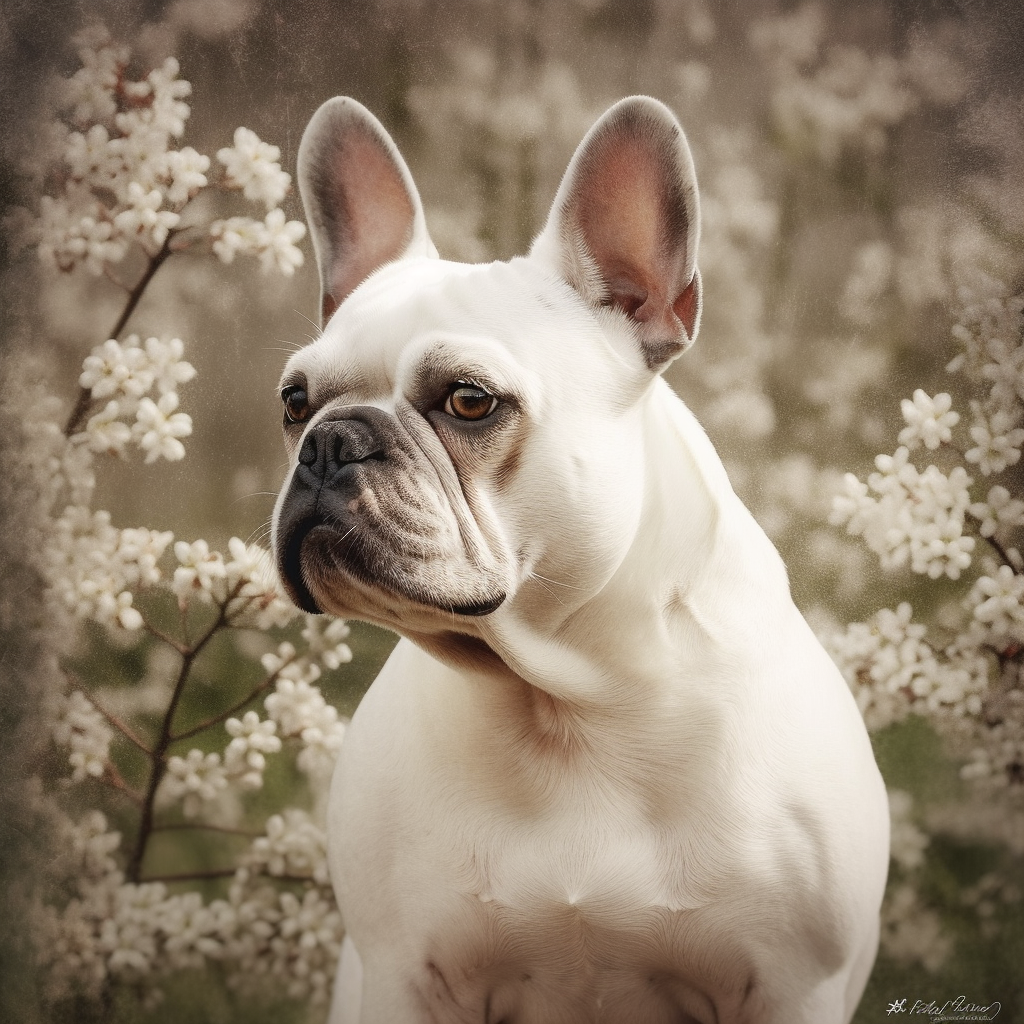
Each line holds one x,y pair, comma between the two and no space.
469,402
296,403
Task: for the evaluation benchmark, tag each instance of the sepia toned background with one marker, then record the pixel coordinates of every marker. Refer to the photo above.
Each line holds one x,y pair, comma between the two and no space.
858,161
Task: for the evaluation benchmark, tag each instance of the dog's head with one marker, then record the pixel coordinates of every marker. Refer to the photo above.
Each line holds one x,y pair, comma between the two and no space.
468,439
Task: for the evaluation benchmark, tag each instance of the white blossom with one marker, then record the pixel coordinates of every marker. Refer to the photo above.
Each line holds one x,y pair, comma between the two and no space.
252,166
251,740
911,517
90,90
998,510
71,232
90,565
907,842
293,845
200,572
929,420
892,669
278,249
272,240
236,235
325,640
251,576
913,932
114,368
144,218
105,432
997,441
186,170
197,779
158,428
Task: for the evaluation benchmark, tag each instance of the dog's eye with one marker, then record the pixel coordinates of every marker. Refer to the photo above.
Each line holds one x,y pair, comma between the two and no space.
469,402
296,403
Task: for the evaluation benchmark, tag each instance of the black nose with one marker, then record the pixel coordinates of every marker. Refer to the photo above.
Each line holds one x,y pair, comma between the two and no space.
334,444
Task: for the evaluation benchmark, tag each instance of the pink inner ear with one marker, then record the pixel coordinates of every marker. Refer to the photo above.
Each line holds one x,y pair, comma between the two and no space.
627,214
378,212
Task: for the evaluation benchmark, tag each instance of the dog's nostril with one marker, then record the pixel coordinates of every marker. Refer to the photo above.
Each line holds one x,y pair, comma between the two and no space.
307,453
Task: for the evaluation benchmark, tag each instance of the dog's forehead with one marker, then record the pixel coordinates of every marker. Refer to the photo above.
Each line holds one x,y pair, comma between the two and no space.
515,306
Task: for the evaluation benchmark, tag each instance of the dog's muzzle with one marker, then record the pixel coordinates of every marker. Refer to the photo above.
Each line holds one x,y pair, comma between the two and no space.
325,481
353,458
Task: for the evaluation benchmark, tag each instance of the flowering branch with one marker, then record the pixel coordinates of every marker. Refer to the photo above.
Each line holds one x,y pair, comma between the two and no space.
85,396
166,738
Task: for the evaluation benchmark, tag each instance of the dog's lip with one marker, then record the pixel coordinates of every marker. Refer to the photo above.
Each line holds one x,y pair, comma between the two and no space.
291,567
482,608
293,578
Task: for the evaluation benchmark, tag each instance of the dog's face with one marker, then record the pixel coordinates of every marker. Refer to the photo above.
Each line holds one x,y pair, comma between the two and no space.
467,441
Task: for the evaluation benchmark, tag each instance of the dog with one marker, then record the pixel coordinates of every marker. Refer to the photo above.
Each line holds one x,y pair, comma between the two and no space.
608,774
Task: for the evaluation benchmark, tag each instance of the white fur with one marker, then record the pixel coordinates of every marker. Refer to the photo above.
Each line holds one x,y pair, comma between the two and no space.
654,800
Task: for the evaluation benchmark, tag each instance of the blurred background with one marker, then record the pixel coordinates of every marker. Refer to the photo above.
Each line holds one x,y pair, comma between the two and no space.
859,162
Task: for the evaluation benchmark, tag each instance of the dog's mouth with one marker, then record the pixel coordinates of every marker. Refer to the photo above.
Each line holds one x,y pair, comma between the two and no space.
317,553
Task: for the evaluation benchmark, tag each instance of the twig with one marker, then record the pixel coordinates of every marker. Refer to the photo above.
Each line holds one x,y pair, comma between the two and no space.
181,648
225,715
116,722
1003,554
113,778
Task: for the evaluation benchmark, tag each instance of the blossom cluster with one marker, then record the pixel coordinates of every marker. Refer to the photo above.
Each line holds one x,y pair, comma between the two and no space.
116,931
893,670
124,180
906,515
92,567
121,376
296,710
933,520
911,930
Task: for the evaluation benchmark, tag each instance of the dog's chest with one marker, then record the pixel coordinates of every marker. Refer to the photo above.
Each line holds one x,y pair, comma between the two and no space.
572,921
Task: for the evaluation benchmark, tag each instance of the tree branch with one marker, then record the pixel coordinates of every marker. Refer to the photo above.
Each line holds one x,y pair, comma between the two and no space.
231,711
188,656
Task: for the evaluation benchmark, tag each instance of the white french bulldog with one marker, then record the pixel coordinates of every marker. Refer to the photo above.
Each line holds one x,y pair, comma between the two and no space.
609,774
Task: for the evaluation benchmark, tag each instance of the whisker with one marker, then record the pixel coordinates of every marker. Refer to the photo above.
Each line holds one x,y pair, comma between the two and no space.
540,579
557,583
313,323
254,494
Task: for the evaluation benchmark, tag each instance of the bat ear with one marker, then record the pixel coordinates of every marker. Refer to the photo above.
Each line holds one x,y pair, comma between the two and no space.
362,206
624,226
